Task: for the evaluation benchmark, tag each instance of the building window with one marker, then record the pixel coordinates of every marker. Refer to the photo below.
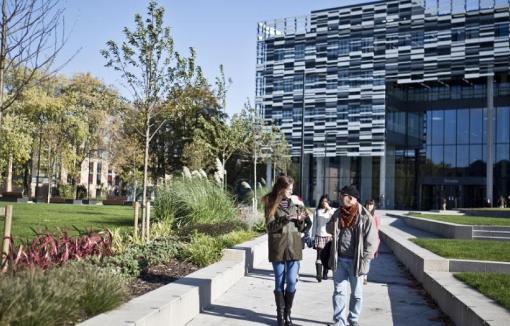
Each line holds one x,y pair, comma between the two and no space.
288,85
299,51
278,84
331,84
355,46
343,47
391,42
430,37
458,35
298,82
367,44
417,39
279,54
404,40
501,30
472,33
91,172
98,173
261,52
311,80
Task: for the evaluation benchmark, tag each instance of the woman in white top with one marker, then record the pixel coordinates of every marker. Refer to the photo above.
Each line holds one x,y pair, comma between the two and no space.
321,237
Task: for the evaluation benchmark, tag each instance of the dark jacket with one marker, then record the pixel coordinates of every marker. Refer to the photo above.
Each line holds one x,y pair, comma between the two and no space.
284,234
365,237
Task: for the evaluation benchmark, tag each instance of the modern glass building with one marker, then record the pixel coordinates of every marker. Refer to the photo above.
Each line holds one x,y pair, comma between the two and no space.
408,99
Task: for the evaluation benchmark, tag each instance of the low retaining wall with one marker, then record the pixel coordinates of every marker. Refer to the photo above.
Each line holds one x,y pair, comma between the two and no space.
465,306
460,265
179,302
417,259
444,229
462,304
487,212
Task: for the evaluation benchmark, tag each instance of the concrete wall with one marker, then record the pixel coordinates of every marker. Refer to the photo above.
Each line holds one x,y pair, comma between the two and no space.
486,212
465,306
179,302
446,230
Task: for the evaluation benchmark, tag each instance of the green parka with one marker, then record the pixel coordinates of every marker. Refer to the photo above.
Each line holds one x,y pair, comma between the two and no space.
284,235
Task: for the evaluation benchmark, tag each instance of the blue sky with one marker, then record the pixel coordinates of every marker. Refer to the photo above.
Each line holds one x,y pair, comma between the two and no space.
221,31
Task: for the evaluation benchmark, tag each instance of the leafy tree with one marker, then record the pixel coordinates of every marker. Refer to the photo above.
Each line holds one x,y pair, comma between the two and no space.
30,40
151,70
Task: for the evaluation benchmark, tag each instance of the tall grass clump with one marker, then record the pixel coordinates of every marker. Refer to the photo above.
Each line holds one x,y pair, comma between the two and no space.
58,296
194,201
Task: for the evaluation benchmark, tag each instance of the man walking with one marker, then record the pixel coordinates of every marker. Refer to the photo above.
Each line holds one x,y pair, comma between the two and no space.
352,249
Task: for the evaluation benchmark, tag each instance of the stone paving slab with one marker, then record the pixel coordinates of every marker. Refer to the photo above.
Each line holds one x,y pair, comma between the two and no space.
390,298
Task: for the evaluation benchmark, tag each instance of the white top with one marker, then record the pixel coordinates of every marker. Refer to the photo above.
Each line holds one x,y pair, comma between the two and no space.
320,218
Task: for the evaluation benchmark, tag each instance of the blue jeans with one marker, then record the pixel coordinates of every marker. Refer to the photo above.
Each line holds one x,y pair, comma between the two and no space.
343,279
285,271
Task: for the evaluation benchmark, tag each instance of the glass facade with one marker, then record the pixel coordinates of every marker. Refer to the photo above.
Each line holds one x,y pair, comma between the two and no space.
441,147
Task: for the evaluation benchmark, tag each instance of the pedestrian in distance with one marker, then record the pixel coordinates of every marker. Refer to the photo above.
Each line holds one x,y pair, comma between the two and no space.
376,221
321,237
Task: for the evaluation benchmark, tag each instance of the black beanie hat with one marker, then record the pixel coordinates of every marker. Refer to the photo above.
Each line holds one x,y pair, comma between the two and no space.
351,191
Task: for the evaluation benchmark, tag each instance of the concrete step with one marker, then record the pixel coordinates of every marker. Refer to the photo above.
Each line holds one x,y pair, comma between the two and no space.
491,228
491,238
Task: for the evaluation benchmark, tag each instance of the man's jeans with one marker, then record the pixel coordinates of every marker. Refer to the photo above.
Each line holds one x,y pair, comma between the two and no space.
285,271
344,278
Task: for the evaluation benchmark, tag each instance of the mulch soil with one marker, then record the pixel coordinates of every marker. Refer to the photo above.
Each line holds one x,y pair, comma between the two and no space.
156,276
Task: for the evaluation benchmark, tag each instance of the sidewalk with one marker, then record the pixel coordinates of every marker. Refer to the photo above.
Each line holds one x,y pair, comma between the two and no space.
389,298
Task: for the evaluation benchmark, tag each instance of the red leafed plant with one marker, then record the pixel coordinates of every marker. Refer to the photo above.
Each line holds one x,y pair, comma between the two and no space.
48,250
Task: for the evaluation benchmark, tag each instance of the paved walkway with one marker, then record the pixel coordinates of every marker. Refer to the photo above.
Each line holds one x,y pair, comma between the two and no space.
390,298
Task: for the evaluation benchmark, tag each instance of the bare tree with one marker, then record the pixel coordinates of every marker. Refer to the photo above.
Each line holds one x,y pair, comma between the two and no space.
31,36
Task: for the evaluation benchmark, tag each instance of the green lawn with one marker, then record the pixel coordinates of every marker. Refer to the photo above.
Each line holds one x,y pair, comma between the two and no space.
493,285
62,216
467,249
466,220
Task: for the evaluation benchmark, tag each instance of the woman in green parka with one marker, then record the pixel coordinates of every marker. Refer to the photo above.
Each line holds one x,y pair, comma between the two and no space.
284,215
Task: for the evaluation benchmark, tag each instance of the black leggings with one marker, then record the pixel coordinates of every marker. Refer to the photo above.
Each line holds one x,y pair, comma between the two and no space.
323,255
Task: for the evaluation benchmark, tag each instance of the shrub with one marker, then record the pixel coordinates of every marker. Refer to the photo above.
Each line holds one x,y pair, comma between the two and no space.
233,238
202,250
214,230
138,256
194,201
49,250
259,226
58,296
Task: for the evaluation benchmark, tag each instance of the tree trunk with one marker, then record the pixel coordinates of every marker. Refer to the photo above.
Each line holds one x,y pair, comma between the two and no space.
255,204
145,177
3,50
8,186
50,175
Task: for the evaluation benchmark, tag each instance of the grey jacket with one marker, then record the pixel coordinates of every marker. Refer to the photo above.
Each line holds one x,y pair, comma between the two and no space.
366,240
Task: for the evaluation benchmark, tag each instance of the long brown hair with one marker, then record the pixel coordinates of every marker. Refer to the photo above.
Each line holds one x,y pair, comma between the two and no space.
370,202
274,198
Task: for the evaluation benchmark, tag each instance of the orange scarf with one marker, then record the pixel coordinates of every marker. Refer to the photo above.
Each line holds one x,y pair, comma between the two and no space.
348,216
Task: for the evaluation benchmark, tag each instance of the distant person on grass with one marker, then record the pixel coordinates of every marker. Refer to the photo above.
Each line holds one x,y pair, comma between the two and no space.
352,248
284,224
